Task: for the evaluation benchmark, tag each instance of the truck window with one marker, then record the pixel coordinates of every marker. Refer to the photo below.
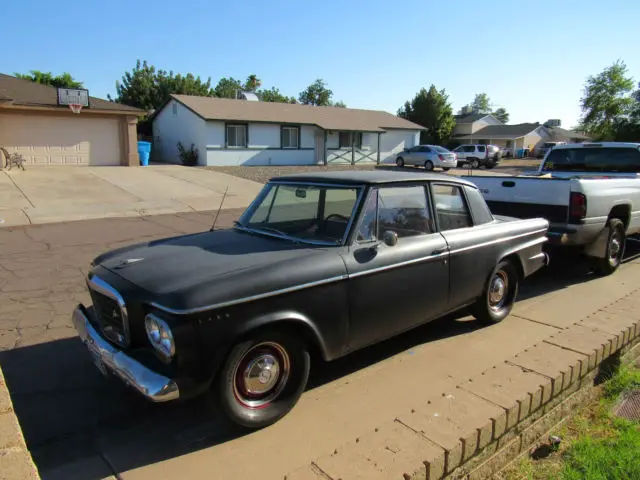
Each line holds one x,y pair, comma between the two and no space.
479,210
593,159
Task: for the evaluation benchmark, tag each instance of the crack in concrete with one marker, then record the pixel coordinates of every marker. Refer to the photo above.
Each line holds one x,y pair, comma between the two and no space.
20,190
537,321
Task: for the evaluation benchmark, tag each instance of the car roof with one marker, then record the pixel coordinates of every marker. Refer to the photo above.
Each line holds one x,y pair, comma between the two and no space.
369,177
598,144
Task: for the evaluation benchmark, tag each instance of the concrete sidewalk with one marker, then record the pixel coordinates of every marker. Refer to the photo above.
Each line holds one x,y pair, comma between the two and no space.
56,194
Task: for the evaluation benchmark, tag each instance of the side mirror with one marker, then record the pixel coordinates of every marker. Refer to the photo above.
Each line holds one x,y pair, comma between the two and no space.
390,238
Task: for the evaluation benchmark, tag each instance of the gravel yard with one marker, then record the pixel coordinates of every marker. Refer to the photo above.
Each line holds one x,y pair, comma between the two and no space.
263,174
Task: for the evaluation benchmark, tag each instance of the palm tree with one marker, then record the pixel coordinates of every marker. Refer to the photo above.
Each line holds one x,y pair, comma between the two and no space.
253,83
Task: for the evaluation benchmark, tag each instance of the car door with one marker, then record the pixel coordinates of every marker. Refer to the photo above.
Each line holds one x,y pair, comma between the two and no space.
425,153
472,250
393,288
410,157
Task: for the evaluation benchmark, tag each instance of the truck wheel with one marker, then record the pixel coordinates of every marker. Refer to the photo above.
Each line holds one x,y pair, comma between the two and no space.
614,252
400,162
475,163
499,295
490,165
263,378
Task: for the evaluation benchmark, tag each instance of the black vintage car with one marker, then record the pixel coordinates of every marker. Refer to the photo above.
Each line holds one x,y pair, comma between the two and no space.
327,262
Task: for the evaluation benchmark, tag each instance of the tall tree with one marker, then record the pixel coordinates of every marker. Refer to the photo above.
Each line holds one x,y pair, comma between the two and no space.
147,88
64,80
606,103
253,83
431,109
316,94
501,114
339,104
228,88
274,95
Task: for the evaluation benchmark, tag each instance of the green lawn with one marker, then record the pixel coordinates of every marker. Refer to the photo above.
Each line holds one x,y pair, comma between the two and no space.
595,445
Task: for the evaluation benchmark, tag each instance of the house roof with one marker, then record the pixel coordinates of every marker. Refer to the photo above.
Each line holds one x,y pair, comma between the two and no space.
328,118
502,131
469,117
562,135
16,91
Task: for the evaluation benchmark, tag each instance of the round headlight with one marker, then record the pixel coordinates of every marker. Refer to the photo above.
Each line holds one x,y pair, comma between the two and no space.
160,336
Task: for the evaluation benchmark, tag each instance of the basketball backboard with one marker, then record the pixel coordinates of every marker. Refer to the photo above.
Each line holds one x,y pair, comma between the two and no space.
70,96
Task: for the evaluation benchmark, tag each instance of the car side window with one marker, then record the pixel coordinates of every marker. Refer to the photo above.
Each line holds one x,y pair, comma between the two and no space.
414,149
403,210
469,149
451,208
479,210
369,224
482,148
425,149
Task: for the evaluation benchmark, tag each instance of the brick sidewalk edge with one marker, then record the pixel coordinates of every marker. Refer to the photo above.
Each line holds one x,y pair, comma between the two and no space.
474,430
15,459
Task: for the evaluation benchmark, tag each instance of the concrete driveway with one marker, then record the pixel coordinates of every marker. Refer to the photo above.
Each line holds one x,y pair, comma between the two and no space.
47,195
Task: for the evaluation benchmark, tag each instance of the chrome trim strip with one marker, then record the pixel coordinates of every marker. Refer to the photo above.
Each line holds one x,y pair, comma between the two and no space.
152,385
251,298
99,285
538,256
501,240
303,286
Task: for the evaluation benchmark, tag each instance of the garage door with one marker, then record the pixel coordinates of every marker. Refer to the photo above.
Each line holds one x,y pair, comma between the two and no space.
52,140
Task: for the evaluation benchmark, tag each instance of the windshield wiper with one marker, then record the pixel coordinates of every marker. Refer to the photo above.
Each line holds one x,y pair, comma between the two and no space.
274,230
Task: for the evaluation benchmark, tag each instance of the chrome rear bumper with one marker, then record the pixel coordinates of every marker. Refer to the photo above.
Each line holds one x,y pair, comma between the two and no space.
152,385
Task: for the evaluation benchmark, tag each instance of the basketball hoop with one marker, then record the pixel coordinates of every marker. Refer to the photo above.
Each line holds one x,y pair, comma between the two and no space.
75,107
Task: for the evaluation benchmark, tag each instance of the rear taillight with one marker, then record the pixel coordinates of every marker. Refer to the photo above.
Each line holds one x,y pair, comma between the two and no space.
440,156
577,207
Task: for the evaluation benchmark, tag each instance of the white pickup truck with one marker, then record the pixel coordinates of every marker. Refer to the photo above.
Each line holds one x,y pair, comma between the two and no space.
589,193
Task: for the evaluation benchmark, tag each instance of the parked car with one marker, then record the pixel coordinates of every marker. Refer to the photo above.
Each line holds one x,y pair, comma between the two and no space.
506,152
325,262
477,156
589,192
545,147
428,156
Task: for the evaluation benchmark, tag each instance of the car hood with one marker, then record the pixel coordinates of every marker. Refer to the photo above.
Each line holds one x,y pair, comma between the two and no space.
193,271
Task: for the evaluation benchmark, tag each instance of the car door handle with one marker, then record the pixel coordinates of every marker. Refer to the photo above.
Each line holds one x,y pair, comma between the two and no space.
440,251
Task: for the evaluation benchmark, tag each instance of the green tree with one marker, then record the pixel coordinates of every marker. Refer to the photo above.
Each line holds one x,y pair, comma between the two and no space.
274,95
147,88
64,80
228,88
316,94
606,104
339,104
501,114
253,83
432,110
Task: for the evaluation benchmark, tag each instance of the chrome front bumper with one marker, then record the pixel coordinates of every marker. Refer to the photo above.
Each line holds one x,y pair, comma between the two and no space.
152,385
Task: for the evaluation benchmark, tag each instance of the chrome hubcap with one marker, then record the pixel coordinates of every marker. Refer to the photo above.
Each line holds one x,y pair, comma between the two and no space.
615,248
261,374
498,290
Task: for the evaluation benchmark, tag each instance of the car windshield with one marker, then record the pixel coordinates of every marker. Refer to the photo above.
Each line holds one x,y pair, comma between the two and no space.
440,149
593,159
302,212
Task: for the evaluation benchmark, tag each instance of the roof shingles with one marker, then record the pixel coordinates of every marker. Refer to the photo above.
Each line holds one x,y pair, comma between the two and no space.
328,118
503,131
30,94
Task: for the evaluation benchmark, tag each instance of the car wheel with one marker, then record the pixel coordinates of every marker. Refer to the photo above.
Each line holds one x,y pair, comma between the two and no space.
615,249
446,169
263,378
499,294
475,163
400,162
428,165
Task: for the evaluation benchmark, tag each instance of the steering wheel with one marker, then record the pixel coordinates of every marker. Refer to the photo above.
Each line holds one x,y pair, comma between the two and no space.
337,215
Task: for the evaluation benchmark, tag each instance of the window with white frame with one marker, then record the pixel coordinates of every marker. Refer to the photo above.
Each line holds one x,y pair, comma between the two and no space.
290,137
236,135
347,137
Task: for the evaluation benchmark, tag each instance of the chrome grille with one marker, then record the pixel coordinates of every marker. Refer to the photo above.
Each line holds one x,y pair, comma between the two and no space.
110,311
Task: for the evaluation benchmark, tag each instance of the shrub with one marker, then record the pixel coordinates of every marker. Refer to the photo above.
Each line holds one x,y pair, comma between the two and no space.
188,157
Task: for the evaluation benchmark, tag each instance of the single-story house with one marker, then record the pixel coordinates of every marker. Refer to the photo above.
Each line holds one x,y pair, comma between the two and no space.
486,129
33,124
246,132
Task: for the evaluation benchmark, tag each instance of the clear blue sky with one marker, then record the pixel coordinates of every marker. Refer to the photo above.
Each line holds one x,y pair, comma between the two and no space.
531,57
